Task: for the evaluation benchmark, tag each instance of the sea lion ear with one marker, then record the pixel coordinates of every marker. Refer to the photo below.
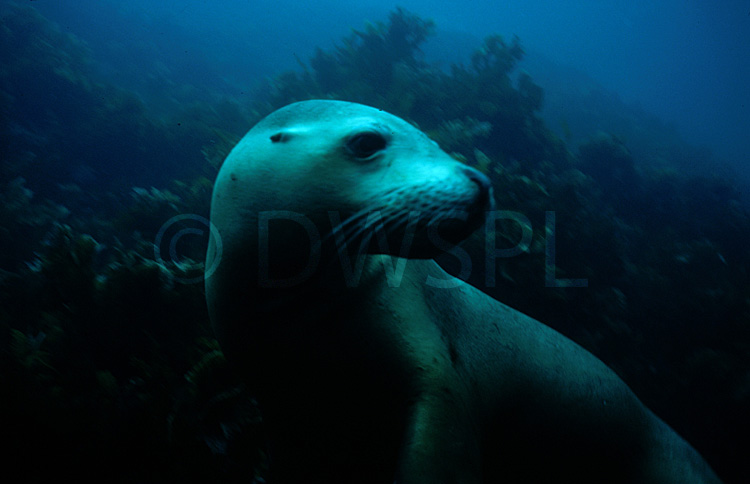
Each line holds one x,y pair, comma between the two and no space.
281,137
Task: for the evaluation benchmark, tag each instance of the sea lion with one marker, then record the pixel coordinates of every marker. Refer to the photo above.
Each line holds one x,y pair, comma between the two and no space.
369,362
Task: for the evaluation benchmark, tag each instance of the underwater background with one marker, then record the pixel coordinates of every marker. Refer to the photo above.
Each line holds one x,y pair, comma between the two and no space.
629,120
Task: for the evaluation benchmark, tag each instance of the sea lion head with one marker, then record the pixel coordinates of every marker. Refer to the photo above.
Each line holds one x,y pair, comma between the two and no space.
349,174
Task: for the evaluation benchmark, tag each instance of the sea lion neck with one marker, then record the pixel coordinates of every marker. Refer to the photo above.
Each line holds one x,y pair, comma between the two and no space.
335,281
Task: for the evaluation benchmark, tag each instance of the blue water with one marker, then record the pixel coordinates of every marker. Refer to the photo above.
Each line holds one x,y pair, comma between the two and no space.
685,61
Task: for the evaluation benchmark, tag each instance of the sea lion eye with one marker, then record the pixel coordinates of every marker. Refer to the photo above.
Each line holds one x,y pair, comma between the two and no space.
366,144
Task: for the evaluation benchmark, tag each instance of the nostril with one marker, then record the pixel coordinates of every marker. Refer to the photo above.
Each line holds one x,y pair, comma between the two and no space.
482,181
478,178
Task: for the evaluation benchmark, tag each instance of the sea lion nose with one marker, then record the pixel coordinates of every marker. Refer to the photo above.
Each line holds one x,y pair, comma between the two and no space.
484,184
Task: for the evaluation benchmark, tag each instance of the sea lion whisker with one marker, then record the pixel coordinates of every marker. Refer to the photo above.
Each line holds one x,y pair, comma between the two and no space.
371,227
354,218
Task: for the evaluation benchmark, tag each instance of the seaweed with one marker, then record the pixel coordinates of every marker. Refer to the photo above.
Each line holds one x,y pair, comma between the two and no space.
104,355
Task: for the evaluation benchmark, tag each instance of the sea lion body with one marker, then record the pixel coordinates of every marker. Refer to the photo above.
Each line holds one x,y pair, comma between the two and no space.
370,363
